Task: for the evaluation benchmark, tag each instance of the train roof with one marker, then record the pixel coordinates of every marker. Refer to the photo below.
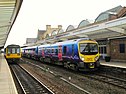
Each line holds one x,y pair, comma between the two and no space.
13,45
31,47
45,45
70,41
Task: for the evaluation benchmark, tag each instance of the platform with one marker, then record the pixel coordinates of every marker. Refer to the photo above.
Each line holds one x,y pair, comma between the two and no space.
7,85
113,64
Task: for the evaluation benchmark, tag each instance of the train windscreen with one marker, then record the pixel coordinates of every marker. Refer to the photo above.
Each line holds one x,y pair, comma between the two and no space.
13,50
88,48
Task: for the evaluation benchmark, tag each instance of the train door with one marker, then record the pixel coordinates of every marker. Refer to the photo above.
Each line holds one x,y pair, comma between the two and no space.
103,51
43,53
72,50
60,53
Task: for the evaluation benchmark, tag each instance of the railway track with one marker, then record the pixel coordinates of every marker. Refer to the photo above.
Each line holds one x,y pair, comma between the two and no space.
28,83
119,82
108,79
100,77
60,78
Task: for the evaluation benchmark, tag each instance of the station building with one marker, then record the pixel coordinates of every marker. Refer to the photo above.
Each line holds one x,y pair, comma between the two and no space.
113,46
112,41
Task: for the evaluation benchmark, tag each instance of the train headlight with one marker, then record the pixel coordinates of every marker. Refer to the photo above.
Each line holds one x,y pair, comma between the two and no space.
82,58
96,58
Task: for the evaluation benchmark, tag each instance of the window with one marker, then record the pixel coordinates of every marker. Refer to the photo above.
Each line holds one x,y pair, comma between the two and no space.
9,50
52,50
18,50
64,50
72,50
88,48
56,51
13,50
122,48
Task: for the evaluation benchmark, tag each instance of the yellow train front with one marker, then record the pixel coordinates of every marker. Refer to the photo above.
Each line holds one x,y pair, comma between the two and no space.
12,53
89,54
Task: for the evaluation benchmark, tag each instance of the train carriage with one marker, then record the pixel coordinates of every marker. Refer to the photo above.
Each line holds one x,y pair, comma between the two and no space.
30,52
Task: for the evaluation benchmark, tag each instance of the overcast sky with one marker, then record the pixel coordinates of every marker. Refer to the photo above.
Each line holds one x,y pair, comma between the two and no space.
36,14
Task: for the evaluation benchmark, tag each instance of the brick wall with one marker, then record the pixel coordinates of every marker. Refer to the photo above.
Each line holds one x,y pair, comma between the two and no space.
115,49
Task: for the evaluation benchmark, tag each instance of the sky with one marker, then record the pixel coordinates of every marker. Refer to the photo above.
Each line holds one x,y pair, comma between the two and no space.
36,14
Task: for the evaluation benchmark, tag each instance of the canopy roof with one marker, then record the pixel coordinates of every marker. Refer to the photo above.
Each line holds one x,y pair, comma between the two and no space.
8,13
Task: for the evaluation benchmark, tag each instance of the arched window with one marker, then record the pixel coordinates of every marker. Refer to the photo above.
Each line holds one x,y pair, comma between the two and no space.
60,31
83,23
70,27
54,32
47,36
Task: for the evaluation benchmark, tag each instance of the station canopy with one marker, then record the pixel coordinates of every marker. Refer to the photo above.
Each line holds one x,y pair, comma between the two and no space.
8,13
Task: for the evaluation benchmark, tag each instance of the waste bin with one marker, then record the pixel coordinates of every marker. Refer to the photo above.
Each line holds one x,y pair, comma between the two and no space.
107,58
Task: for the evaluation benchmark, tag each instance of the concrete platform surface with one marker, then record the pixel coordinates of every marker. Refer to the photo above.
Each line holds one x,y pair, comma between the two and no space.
7,85
114,64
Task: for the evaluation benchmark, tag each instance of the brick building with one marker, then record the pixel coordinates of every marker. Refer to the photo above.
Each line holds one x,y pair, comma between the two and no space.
118,48
113,46
31,40
40,34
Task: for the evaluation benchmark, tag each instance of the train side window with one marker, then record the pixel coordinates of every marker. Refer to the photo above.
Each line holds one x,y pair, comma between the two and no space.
72,50
56,51
64,50
48,50
52,50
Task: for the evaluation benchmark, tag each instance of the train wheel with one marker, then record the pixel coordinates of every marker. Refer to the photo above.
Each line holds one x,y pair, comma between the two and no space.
74,67
41,59
66,65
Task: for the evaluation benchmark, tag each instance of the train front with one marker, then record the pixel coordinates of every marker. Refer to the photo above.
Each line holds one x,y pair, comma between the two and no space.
89,54
13,53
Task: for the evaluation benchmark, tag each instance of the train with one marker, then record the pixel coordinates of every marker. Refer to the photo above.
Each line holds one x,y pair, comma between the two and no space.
12,53
76,54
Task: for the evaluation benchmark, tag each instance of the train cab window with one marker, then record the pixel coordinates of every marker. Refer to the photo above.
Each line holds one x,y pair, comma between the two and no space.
64,50
88,48
9,51
18,50
13,50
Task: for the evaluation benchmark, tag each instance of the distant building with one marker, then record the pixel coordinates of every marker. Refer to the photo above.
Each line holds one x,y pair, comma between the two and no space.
40,34
49,30
31,40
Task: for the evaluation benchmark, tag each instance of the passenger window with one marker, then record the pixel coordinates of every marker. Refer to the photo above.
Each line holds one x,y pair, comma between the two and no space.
52,50
72,50
56,51
64,50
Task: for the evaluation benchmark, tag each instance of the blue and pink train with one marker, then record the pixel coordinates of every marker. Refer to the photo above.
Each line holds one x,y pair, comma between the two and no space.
75,54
